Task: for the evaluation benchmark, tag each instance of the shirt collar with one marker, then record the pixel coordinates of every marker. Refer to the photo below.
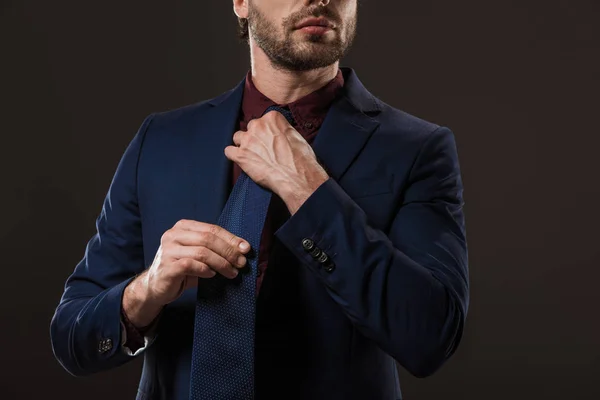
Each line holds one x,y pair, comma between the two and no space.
308,111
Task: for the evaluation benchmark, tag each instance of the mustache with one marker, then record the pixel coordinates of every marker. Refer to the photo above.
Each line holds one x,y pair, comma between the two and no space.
315,12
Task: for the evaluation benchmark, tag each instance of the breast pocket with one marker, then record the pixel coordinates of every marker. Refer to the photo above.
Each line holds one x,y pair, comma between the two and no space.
364,186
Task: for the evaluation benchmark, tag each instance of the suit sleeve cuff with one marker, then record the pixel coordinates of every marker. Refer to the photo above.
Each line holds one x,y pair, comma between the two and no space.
308,233
108,329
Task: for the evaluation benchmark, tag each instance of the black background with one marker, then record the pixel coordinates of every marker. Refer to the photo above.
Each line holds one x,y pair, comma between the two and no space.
517,81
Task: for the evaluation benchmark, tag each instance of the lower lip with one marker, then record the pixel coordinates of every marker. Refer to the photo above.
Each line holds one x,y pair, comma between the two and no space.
315,30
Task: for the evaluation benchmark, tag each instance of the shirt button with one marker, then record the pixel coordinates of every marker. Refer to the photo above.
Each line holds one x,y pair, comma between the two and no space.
308,125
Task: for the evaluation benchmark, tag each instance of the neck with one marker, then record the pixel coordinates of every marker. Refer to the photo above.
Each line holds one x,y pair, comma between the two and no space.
284,86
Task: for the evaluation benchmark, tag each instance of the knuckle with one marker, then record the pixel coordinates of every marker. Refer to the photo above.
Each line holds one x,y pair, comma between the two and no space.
213,229
228,252
167,236
222,264
226,265
205,238
201,254
239,155
181,223
186,264
276,116
206,271
251,138
205,268
233,254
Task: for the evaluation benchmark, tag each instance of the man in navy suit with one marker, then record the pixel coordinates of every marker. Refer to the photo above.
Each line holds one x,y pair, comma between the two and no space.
363,257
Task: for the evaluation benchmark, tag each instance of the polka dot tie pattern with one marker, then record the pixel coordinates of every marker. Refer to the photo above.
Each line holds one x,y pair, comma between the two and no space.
223,349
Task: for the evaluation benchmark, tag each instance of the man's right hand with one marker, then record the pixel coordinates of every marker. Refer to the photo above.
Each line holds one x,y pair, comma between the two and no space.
192,250
188,251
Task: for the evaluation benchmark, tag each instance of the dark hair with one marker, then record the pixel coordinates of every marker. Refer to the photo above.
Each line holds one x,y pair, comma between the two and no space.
243,28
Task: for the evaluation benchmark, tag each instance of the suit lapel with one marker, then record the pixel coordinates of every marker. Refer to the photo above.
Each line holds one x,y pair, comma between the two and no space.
347,127
213,170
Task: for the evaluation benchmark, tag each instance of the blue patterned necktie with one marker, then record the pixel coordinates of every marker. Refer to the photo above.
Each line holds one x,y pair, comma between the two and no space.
223,349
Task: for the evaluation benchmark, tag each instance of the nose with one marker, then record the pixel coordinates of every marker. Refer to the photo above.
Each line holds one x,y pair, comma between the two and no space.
322,3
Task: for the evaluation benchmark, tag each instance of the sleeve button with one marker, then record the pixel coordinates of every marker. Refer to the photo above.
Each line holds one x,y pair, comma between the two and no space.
104,345
316,252
323,258
308,244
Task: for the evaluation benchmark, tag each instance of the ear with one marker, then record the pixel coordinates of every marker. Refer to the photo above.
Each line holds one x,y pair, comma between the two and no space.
240,8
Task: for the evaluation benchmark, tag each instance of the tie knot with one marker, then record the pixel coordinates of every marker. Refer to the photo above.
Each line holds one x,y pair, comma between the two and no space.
283,111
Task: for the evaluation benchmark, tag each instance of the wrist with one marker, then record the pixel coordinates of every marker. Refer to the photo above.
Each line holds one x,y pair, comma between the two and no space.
295,194
138,305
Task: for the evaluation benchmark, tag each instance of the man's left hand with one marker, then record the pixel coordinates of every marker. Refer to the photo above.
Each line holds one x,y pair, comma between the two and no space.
274,155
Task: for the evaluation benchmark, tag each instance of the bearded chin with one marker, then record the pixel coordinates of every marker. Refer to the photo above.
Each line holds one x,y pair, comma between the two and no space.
294,56
291,55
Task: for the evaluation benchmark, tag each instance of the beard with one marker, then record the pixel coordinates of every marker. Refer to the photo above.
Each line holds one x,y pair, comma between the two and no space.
301,52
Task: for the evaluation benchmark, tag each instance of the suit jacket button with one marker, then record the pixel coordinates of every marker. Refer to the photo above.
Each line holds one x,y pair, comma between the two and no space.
323,258
104,345
316,252
329,267
308,244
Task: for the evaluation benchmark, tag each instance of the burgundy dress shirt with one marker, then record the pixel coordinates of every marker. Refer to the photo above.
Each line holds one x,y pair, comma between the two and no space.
309,113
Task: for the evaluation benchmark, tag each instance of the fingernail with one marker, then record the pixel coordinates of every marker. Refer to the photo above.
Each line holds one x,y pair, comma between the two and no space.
244,246
241,260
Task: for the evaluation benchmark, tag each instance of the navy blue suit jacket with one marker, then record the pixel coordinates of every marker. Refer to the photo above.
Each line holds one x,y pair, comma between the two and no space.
390,217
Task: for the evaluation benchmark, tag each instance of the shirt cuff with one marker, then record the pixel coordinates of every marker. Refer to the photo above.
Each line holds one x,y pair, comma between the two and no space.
134,341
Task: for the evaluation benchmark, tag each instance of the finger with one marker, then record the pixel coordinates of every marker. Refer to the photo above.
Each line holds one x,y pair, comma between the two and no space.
232,153
251,123
207,256
229,250
193,269
237,137
191,225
